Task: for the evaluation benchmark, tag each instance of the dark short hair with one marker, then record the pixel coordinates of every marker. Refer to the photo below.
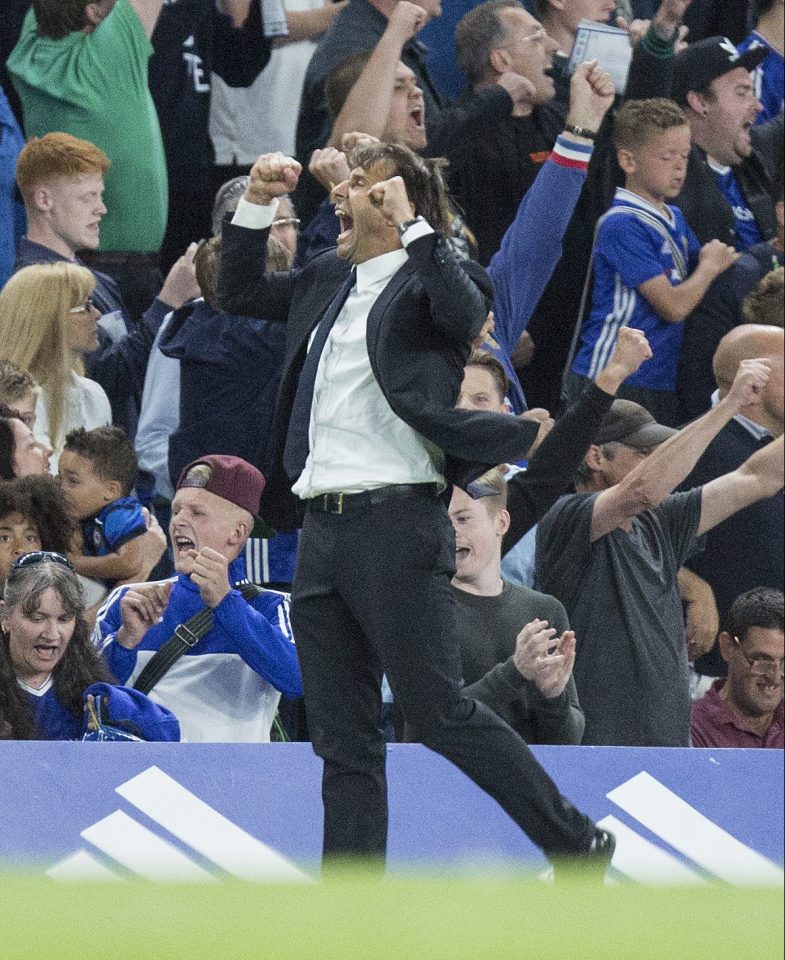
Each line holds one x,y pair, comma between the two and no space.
7,443
57,18
341,80
487,361
761,607
206,261
762,6
638,120
110,453
424,179
479,32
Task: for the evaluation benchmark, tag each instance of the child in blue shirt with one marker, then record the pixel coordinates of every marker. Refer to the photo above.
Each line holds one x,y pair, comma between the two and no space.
649,269
97,470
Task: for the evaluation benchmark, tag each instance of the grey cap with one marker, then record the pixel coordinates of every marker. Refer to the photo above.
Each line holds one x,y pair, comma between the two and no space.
631,424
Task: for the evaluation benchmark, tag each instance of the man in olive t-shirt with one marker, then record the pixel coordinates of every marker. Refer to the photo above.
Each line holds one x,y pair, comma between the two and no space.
81,68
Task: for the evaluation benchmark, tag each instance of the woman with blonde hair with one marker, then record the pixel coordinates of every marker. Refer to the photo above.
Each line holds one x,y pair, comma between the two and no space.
47,324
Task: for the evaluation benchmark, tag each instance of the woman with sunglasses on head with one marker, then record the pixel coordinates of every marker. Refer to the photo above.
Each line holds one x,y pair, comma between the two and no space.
49,668
48,323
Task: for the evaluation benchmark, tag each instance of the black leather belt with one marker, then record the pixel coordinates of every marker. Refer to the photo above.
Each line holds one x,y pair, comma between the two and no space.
338,503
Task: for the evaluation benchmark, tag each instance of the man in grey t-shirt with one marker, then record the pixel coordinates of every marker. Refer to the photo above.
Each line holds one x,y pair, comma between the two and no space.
611,553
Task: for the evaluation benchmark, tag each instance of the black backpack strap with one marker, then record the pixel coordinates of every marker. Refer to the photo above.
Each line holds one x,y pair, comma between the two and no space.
185,637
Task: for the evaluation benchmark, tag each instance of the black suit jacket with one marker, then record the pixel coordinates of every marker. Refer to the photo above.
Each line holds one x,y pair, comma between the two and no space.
419,337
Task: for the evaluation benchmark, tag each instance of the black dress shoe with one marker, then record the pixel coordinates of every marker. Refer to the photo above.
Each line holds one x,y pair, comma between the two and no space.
602,847
590,863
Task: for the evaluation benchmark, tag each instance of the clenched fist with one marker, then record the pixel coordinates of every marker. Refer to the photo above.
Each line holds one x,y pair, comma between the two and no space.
273,175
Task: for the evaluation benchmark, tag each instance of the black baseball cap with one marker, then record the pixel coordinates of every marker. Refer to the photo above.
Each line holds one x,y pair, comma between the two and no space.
704,61
631,424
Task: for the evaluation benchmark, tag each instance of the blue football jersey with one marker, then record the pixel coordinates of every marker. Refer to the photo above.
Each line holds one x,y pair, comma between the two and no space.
769,78
635,243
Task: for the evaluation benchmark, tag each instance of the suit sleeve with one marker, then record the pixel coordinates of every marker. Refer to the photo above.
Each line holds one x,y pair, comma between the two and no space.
551,470
458,308
263,639
244,288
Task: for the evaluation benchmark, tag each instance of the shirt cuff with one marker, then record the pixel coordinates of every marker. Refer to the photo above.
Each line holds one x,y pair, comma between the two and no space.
253,216
420,229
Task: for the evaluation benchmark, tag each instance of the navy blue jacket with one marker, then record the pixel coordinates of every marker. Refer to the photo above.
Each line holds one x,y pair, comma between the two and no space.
230,370
744,551
717,314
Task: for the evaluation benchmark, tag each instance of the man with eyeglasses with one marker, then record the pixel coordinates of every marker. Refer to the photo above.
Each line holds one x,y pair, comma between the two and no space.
494,158
746,709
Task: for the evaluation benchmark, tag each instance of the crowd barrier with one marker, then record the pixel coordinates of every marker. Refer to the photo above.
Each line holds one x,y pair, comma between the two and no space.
199,811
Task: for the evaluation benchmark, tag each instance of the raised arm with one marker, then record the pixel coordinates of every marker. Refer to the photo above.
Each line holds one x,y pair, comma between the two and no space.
457,306
552,468
759,477
244,286
536,236
648,484
367,107
310,24
148,12
236,10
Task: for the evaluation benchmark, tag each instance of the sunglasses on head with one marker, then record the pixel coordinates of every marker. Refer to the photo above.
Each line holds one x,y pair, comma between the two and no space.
39,556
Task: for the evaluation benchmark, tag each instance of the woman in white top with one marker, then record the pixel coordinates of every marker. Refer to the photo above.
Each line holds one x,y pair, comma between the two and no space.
47,324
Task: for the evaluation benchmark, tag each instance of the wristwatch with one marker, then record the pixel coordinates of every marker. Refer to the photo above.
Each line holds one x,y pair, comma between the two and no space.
580,131
403,227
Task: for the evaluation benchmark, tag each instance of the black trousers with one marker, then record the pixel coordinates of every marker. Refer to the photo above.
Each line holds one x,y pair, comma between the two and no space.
371,595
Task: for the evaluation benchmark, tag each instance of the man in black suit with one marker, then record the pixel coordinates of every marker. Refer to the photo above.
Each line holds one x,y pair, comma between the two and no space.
368,433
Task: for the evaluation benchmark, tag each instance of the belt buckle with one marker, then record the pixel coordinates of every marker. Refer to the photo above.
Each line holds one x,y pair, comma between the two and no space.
333,503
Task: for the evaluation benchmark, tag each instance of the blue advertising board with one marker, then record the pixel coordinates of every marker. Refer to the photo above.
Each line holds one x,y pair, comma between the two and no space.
198,811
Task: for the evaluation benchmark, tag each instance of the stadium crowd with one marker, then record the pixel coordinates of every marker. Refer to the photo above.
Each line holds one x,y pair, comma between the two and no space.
407,317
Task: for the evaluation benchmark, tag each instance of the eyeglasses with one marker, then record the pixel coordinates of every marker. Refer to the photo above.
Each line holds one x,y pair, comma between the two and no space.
286,222
540,35
761,666
39,556
86,307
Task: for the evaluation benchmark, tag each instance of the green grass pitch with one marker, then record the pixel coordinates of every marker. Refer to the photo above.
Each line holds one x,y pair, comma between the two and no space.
403,918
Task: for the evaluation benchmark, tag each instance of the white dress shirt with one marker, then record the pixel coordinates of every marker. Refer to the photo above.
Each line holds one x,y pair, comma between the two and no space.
356,441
